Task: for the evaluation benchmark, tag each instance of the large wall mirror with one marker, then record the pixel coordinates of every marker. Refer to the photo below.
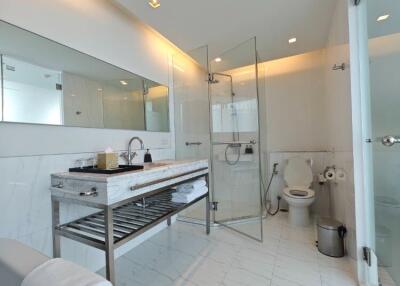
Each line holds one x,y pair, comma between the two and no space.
43,82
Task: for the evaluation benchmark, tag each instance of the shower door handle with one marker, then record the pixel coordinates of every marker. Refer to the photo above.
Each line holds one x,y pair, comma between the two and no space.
388,140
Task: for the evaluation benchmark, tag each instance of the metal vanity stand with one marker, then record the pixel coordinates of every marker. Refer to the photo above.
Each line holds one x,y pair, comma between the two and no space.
117,223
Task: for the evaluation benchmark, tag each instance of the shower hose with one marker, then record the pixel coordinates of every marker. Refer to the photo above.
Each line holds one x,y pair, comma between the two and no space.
229,146
266,191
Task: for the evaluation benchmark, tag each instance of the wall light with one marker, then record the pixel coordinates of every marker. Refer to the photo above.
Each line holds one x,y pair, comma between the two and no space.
154,3
123,82
382,18
218,60
292,40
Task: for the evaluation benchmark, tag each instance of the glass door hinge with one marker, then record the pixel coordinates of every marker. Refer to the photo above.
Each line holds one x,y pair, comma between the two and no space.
367,255
214,206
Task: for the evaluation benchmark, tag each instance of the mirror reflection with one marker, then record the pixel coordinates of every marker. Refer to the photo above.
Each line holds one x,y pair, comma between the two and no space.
44,82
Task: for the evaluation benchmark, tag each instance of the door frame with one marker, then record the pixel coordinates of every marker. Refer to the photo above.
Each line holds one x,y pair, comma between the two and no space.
362,150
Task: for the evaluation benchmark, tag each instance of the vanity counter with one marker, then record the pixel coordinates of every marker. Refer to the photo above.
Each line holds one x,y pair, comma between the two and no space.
104,189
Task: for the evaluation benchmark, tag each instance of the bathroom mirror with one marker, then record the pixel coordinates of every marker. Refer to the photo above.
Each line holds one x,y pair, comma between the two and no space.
44,82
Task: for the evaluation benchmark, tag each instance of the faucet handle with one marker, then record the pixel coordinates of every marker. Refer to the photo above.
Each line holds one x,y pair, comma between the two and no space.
125,156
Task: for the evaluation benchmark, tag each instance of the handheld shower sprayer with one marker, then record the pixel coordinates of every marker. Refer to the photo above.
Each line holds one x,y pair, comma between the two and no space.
274,171
265,199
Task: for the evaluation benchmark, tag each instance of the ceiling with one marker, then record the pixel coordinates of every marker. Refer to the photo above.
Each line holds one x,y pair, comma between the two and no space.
379,8
223,24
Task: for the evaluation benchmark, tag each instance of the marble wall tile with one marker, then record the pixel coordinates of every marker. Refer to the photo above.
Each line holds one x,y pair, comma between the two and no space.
25,202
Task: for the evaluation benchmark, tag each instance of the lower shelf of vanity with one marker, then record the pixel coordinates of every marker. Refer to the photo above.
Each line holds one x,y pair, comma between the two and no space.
129,220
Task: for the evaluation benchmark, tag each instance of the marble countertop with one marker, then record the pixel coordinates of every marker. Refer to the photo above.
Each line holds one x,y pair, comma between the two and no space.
157,169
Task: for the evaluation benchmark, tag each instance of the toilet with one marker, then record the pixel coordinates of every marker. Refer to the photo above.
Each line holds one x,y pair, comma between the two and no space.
298,177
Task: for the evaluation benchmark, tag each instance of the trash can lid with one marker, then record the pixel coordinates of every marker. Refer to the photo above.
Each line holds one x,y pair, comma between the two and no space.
329,223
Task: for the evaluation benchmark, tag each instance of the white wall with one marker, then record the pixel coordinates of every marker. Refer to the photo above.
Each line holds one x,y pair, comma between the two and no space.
30,153
309,110
296,103
338,102
296,119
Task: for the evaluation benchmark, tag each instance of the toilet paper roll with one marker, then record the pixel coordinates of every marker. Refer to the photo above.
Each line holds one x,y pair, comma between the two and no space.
330,174
340,175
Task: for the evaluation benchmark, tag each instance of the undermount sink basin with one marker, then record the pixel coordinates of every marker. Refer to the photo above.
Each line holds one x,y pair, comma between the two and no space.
95,170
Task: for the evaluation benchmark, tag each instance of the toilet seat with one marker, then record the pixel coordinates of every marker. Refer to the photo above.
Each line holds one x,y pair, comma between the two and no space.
299,192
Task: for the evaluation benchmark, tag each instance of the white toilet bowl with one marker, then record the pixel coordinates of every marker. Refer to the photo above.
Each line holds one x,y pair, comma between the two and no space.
298,177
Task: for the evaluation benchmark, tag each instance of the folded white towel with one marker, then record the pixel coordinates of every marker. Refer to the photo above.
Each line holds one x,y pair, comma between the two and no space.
59,272
188,197
189,187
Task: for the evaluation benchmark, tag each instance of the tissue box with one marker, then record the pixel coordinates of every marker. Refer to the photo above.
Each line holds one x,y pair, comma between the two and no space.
107,160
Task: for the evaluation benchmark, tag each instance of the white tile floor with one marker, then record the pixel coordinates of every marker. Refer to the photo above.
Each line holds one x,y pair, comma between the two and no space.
184,255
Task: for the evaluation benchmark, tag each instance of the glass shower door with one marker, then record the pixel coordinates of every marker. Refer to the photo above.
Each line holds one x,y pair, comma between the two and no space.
235,139
382,107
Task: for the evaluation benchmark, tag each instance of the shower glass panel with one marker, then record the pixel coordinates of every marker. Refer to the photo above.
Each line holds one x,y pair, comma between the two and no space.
383,62
192,117
235,139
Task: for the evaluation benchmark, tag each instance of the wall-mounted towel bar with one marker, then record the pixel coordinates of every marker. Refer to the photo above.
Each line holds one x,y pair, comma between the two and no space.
251,142
193,143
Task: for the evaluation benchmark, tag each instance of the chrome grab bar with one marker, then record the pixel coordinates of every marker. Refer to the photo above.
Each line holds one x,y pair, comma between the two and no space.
193,143
251,142
92,192
59,185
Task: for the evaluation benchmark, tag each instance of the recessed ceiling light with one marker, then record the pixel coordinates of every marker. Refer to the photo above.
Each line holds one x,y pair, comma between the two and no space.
123,82
292,40
154,3
218,60
383,18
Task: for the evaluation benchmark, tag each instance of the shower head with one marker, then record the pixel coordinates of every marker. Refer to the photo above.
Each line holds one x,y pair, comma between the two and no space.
213,81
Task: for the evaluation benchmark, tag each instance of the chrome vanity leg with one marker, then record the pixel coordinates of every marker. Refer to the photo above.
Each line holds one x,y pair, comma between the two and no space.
110,267
208,207
169,221
208,214
55,207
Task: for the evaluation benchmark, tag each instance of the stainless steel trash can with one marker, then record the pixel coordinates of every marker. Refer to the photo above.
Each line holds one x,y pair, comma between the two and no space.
331,237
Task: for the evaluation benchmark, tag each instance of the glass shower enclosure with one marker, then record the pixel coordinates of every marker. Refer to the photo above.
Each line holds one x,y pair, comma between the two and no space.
217,109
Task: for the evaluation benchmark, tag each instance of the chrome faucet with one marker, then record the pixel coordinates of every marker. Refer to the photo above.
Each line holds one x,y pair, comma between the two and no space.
128,156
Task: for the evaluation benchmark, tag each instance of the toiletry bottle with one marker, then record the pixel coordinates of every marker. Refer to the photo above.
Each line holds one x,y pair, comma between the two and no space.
147,157
249,149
